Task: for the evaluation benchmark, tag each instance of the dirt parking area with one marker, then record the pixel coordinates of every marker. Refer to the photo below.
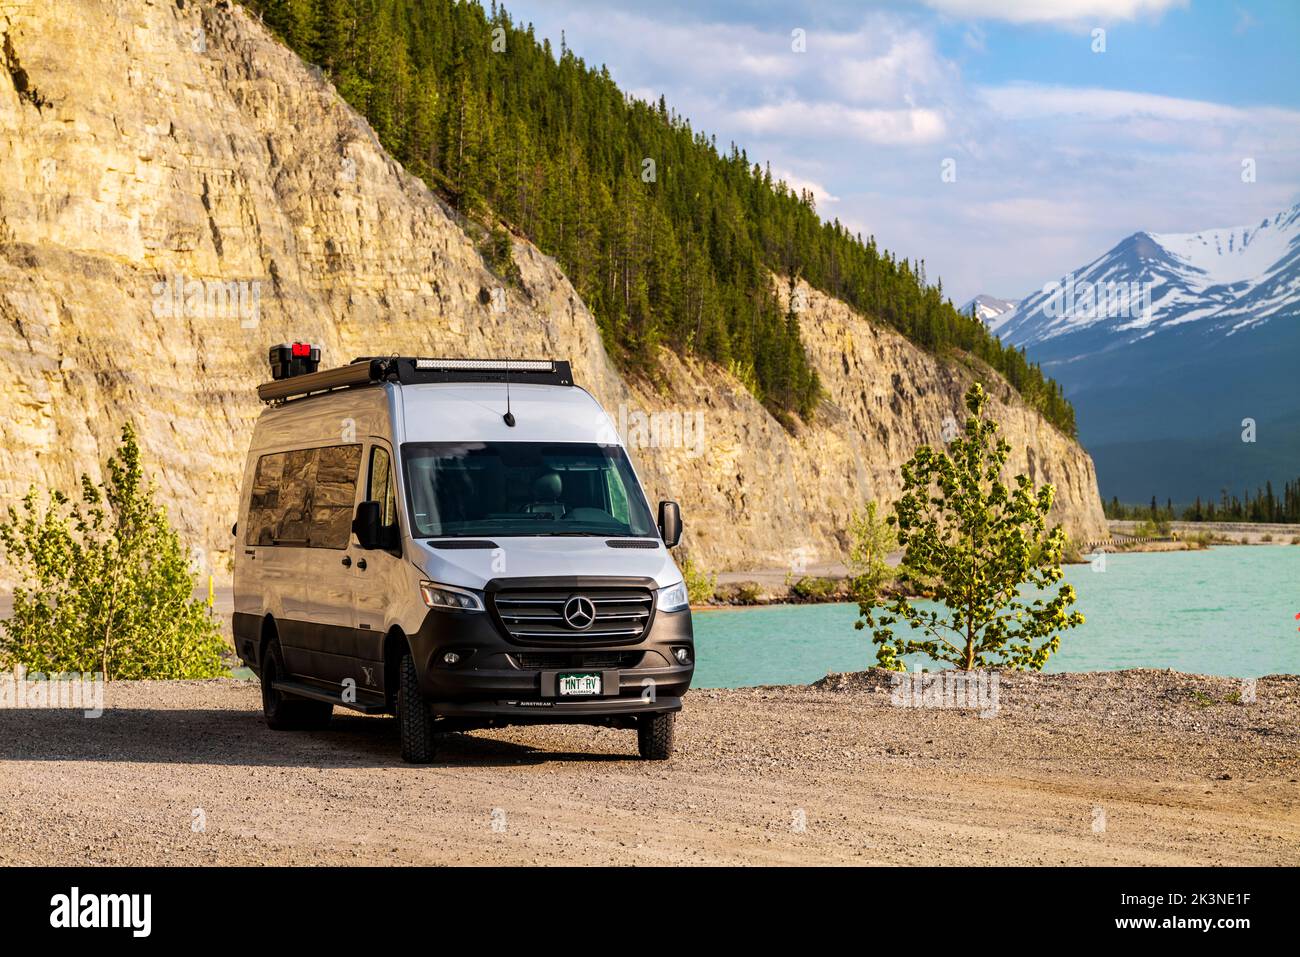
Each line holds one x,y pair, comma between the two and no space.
1136,767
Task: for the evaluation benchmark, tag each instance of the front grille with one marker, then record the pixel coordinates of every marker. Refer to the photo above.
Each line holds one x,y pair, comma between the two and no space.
546,660
536,615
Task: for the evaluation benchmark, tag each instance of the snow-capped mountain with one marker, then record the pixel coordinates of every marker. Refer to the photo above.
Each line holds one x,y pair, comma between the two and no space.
1167,345
990,310
1229,279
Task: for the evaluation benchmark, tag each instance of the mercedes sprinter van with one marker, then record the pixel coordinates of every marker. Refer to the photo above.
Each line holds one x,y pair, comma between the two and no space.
462,543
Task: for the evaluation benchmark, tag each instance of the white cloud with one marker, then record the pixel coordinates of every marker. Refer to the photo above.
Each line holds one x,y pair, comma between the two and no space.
821,194
1098,126
679,50
889,127
1026,212
908,67
1026,101
1054,11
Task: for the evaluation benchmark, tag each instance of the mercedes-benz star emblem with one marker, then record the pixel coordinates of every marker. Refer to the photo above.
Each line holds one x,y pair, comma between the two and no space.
579,612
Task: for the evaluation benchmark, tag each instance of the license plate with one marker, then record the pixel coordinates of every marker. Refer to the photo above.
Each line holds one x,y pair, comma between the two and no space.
579,684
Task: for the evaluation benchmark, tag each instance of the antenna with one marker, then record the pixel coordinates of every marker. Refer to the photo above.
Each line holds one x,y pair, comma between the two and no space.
509,417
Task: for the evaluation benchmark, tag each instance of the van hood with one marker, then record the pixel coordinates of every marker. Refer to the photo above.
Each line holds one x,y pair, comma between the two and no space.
543,556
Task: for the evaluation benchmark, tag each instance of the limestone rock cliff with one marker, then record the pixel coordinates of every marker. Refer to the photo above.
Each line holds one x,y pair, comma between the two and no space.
151,148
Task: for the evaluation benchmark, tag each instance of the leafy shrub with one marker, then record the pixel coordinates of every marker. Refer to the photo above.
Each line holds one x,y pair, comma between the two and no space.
1152,528
871,539
497,249
979,542
810,588
740,593
700,586
105,583
1071,555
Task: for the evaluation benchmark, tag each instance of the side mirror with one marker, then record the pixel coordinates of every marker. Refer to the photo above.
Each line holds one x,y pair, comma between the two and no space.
670,523
366,525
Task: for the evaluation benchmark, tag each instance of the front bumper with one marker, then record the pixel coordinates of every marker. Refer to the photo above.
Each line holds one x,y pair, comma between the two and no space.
497,677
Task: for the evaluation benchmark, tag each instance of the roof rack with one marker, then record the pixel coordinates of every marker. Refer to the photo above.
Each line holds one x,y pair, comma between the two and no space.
410,370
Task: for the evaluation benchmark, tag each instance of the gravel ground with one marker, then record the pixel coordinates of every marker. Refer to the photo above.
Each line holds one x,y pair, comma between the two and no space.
1136,767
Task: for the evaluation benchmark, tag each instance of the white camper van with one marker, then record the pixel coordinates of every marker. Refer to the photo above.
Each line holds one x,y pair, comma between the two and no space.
463,543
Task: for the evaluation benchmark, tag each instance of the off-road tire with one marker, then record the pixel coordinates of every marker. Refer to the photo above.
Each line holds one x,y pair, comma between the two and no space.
414,722
654,736
285,712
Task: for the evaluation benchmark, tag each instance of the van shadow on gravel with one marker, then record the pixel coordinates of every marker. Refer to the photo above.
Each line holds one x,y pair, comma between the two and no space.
241,738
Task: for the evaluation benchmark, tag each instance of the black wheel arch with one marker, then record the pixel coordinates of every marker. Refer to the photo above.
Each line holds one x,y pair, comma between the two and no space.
396,645
269,633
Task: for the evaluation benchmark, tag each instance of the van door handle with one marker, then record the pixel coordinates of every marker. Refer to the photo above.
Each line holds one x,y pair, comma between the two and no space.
362,564
347,561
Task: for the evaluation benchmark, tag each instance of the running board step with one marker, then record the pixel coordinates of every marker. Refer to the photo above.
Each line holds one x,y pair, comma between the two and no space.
368,705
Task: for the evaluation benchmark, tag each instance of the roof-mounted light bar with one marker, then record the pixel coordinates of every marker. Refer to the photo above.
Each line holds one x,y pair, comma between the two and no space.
487,365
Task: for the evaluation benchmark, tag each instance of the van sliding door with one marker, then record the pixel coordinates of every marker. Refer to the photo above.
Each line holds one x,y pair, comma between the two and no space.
328,564
374,587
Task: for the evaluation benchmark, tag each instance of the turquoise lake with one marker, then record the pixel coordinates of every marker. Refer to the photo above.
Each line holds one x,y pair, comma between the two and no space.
1226,611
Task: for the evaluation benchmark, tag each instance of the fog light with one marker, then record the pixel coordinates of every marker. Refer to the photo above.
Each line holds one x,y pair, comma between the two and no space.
450,658
682,655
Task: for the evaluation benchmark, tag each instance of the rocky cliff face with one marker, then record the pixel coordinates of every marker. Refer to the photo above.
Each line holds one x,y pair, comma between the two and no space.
178,191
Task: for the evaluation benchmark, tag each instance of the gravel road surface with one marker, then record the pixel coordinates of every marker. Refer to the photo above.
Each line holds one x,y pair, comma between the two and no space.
1137,767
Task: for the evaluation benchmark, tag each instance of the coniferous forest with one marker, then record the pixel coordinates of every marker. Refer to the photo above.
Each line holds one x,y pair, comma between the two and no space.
669,239
1265,505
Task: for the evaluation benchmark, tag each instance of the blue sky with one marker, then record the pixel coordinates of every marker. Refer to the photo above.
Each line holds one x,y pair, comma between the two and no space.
1059,149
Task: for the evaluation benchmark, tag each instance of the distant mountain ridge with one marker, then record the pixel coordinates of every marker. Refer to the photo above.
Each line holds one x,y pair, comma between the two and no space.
1230,278
990,310
1170,345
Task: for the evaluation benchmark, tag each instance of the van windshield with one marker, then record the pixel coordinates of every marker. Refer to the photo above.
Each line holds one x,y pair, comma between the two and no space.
523,488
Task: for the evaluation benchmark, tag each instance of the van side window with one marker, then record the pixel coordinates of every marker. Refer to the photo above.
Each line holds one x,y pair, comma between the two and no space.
304,497
333,496
264,505
293,517
381,487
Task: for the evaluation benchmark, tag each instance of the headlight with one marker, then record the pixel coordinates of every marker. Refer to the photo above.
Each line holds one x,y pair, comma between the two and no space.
673,598
444,596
